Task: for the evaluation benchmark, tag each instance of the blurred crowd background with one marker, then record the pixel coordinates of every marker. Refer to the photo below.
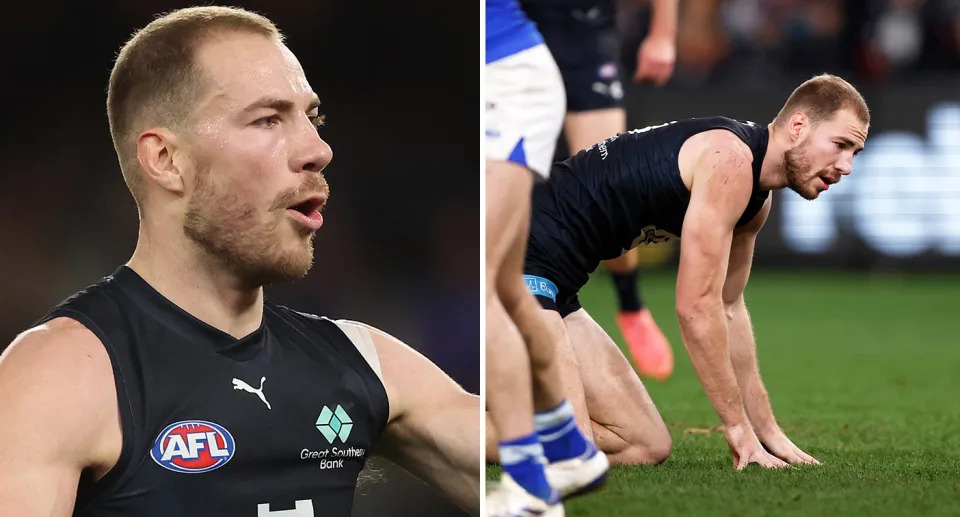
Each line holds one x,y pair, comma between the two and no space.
900,209
739,42
399,248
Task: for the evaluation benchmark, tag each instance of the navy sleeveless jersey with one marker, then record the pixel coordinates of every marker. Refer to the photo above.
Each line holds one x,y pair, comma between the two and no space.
281,419
619,193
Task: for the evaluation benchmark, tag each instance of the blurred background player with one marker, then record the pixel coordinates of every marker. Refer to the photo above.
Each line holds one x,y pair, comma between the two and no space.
524,112
583,37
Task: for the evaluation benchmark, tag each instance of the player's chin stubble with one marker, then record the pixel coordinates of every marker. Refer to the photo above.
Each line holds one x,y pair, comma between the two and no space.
795,165
231,231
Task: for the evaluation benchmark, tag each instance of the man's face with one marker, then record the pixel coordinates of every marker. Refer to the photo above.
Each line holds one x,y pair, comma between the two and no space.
824,154
257,189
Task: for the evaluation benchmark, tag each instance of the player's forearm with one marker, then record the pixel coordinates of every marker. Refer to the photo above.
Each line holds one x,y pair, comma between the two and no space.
446,452
460,484
704,331
743,356
461,479
663,21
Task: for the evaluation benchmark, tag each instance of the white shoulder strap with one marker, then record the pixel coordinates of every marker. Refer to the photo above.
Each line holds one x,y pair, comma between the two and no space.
361,339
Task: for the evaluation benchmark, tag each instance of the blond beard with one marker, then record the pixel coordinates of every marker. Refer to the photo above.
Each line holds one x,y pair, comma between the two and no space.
233,234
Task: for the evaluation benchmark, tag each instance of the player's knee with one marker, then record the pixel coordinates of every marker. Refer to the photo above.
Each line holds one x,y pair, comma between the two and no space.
542,357
658,451
643,446
650,452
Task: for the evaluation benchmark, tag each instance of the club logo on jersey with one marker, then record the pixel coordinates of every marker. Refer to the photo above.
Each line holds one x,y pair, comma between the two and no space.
650,234
333,424
193,446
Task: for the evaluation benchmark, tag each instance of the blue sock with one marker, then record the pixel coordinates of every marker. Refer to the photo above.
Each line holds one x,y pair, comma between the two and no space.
523,459
559,434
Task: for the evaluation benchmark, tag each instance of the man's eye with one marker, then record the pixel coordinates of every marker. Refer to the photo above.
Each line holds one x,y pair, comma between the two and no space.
268,122
317,120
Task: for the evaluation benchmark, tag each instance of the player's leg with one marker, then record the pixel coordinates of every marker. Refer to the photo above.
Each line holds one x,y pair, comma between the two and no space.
508,367
525,312
517,100
541,116
568,367
575,464
509,394
626,424
568,372
586,472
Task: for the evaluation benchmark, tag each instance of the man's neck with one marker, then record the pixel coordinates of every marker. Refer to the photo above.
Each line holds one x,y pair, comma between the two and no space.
772,175
175,267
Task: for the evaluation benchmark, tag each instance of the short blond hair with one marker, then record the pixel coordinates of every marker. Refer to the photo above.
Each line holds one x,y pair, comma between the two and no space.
822,96
155,80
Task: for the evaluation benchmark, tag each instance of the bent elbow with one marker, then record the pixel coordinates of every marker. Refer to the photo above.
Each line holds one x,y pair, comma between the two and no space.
691,309
698,315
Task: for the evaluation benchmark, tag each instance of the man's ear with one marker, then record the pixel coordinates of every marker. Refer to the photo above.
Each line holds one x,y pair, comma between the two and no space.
156,148
798,124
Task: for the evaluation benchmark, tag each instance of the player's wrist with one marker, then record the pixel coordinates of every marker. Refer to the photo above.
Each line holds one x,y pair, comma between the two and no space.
739,433
767,429
736,420
665,35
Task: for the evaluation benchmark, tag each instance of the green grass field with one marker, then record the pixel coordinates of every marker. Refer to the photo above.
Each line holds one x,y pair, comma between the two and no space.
863,373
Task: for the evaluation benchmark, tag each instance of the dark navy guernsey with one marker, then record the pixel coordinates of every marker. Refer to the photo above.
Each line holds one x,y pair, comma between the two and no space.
619,193
279,422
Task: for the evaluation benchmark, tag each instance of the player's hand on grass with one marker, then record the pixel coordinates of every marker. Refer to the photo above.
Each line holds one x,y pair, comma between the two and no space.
655,59
781,446
745,448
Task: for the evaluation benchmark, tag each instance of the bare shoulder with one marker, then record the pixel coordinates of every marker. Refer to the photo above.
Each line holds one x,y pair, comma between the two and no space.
716,151
389,348
376,345
56,381
409,377
724,139
62,346
721,147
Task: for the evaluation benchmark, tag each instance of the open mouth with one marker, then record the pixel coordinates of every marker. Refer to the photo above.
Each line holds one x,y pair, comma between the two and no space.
308,207
307,212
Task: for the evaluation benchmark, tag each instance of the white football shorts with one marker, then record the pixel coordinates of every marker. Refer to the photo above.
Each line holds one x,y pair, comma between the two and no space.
525,106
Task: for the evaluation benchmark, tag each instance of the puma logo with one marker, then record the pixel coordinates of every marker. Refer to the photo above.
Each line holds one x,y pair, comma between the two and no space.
240,385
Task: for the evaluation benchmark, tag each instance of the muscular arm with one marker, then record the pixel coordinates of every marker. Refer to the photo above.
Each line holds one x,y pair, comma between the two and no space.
721,187
434,428
743,348
58,417
664,18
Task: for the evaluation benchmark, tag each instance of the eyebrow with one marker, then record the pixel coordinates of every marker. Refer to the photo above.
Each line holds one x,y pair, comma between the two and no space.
851,143
281,105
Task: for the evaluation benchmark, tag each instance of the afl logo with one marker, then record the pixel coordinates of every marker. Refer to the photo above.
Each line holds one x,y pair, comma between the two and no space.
193,446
